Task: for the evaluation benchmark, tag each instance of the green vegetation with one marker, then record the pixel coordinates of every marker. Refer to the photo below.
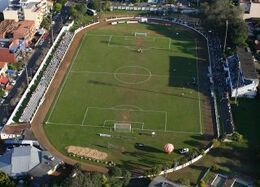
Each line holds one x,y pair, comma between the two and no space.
57,7
92,179
78,12
215,15
1,92
46,22
5,181
247,120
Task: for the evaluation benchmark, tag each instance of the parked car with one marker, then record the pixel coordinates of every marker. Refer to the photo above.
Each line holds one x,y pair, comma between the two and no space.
13,82
139,145
6,94
184,150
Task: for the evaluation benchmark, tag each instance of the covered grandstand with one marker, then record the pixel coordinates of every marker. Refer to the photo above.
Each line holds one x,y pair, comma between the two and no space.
241,74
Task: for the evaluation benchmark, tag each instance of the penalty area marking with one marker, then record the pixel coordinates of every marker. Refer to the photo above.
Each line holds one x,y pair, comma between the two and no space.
99,126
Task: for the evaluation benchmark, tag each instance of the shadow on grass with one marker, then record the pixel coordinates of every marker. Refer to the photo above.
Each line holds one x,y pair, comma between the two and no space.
148,148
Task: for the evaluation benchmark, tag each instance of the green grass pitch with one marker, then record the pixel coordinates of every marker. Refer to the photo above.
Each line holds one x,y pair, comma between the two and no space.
117,77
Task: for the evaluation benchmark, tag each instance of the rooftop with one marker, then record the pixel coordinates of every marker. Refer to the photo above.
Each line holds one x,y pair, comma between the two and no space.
247,63
2,64
3,79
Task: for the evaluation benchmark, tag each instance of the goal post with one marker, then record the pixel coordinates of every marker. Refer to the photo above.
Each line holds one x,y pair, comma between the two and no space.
123,126
140,34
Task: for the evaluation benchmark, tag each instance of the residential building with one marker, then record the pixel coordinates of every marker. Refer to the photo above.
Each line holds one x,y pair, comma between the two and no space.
20,161
3,81
12,50
3,68
24,30
241,74
250,8
31,10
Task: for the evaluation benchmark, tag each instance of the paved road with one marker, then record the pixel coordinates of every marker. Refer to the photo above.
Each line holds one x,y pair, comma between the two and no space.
33,64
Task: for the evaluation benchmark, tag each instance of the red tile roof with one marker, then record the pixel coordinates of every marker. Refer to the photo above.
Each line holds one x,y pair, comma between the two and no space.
6,56
2,64
3,79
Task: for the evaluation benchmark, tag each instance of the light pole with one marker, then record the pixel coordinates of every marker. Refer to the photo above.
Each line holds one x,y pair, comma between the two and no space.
225,40
238,80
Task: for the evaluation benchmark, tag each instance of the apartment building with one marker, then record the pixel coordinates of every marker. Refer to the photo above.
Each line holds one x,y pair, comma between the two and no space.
24,30
31,10
250,8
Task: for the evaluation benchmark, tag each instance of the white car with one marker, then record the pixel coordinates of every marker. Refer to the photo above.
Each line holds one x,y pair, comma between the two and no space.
184,150
13,82
6,94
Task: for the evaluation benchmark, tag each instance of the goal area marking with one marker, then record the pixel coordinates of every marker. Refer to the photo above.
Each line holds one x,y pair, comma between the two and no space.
106,113
142,34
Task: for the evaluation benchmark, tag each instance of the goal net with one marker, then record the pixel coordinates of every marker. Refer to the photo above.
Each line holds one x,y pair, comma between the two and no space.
140,34
122,127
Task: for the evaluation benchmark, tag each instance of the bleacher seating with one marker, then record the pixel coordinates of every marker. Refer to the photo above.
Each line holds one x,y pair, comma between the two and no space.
45,80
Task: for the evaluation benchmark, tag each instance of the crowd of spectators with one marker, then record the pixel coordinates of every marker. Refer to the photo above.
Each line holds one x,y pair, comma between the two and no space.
45,80
220,83
235,72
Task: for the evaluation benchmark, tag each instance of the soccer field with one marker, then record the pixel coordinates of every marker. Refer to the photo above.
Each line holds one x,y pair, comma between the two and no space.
140,74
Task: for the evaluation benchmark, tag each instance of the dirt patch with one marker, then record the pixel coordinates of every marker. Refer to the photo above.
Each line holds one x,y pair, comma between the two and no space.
139,42
86,152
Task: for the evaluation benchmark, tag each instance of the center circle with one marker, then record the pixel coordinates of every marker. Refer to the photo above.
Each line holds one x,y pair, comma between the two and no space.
132,74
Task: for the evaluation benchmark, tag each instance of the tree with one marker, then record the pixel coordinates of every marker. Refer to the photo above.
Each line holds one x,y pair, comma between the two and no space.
46,23
5,180
106,5
184,181
95,4
127,177
237,137
215,15
171,1
57,7
1,92
202,183
115,172
11,67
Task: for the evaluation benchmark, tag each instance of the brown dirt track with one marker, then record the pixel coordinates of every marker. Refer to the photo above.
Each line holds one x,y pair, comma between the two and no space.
49,98
51,93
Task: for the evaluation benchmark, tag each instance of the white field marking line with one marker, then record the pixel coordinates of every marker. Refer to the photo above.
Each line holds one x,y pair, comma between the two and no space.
130,36
133,106
116,109
84,117
109,40
168,131
66,78
170,42
197,67
110,73
111,120
100,126
67,124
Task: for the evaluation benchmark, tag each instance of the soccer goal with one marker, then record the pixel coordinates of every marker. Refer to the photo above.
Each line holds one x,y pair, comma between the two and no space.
140,34
122,127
